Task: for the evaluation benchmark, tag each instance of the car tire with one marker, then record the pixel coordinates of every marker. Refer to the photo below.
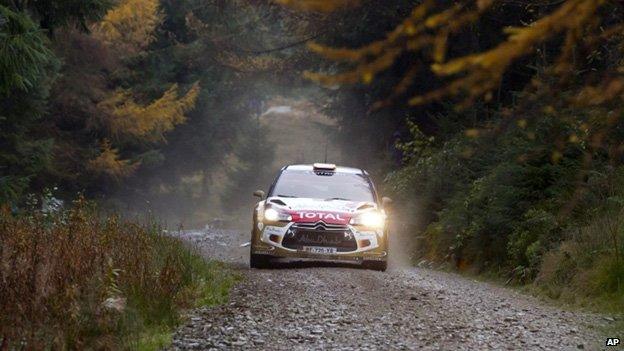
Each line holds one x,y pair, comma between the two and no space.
380,266
259,261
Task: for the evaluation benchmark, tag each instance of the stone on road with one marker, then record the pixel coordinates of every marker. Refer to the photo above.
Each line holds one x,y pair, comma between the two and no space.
314,307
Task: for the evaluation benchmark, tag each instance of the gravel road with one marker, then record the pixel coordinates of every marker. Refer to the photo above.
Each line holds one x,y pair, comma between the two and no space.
302,306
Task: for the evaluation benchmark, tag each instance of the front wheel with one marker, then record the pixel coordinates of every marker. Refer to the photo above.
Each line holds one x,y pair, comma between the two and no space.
259,261
376,265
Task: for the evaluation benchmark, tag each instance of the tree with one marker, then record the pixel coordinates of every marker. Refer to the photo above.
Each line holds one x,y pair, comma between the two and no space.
109,164
102,121
570,42
430,27
53,14
130,25
230,48
24,54
28,68
127,119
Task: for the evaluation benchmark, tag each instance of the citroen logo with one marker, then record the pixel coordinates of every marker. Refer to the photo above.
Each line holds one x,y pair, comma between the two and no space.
319,225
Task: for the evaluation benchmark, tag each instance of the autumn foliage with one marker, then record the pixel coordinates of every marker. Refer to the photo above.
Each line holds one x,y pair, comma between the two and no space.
130,25
109,163
429,29
127,118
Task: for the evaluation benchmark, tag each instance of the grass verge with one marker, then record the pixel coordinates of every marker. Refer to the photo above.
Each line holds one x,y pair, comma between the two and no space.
79,280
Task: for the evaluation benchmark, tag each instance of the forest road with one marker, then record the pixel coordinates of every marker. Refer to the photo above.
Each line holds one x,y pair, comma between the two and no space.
312,307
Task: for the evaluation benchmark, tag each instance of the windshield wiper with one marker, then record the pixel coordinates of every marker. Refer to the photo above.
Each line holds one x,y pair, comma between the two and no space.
337,198
291,196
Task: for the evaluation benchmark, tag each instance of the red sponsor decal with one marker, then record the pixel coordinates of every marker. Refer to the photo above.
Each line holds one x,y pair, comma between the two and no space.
325,216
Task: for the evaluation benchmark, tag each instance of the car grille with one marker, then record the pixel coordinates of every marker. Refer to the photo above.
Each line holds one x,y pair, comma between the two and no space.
320,234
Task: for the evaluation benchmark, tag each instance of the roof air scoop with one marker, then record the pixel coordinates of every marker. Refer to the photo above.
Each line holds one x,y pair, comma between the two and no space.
324,166
324,169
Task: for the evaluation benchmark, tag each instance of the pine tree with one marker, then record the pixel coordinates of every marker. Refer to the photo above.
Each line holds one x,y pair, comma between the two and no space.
24,52
28,68
53,14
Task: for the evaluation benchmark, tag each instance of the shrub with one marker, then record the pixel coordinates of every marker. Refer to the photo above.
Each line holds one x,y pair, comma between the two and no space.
519,203
589,266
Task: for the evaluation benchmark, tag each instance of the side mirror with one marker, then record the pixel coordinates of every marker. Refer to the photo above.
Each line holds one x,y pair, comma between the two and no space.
259,193
386,202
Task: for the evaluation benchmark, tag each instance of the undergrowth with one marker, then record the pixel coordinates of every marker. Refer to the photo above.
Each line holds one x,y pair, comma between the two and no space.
75,279
502,205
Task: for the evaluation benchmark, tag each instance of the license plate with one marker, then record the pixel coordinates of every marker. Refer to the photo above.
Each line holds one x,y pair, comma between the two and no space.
320,250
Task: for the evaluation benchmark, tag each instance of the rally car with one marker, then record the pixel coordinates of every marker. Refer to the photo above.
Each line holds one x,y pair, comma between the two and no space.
320,212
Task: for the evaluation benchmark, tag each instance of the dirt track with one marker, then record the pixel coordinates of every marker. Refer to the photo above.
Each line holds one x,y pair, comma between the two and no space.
303,306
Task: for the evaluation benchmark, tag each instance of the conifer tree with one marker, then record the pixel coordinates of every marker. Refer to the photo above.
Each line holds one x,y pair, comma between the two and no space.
28,68
130,25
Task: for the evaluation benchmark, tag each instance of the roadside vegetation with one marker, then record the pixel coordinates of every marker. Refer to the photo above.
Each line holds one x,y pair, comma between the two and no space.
499,205
77,279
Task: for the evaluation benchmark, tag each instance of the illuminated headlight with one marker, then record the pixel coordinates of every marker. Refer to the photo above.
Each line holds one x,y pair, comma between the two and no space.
371,219
273,215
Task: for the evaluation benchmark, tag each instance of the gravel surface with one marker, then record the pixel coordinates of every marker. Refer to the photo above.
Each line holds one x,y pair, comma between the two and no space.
305,306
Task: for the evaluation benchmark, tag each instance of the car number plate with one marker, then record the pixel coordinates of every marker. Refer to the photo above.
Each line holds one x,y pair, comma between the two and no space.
320,250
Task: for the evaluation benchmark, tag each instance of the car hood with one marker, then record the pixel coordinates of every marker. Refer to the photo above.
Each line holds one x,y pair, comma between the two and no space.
308,210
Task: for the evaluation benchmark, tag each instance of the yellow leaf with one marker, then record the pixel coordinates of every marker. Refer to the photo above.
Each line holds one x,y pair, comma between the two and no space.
472,133
522,123
484,4
439,49
549,110
409,28
556,156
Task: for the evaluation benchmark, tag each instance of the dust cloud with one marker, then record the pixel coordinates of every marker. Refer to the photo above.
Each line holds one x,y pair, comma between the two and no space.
297,132
404,222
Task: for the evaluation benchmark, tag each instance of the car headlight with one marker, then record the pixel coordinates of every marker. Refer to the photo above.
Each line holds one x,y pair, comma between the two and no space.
371,219
273,215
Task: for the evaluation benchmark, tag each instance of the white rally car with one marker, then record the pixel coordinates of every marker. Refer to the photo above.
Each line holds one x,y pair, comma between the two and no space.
320,212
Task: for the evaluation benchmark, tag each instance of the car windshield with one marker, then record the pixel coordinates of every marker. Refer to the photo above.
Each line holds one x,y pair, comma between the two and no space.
330,186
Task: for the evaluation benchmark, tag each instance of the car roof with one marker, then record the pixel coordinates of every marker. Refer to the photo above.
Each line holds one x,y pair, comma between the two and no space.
339,169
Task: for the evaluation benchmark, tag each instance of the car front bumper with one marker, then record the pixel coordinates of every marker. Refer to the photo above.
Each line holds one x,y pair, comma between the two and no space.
289,240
